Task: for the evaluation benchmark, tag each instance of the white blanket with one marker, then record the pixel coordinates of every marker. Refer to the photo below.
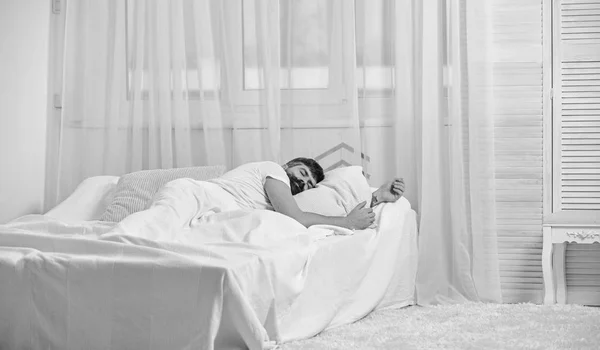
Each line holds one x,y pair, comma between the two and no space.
219,283
227,280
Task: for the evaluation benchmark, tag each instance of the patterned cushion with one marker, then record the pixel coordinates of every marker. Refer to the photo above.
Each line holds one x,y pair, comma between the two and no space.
134,191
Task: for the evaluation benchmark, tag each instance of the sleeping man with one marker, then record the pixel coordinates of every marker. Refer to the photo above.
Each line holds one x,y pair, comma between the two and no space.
258,185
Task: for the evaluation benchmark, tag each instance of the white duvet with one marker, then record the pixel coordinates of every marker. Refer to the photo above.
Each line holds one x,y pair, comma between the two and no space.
229,280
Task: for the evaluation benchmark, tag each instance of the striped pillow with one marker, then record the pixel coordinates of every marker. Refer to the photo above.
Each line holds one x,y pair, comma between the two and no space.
134,191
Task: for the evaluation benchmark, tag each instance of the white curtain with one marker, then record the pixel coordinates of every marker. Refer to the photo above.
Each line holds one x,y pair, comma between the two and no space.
401,87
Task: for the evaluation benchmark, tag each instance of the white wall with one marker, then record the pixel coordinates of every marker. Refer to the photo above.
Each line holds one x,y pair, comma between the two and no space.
24,38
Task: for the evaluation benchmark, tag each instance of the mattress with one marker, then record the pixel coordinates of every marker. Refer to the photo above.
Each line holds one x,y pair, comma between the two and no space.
65,288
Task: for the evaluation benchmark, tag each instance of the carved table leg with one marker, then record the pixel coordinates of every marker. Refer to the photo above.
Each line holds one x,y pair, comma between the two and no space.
559,272
549,295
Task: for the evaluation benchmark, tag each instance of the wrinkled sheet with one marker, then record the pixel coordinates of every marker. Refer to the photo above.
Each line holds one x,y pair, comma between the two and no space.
237,279
79,286
350,276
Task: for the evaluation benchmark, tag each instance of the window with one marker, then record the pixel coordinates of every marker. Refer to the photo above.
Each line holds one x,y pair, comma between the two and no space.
319,41
309,43
188,58
226,48
374,47
304,43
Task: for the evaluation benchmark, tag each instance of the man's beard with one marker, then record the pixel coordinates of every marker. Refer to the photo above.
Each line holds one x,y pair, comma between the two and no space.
296,185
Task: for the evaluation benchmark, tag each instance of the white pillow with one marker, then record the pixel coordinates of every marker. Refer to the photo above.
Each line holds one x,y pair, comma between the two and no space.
339,193
88,201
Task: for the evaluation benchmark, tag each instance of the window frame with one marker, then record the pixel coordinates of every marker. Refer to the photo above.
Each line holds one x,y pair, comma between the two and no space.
332,95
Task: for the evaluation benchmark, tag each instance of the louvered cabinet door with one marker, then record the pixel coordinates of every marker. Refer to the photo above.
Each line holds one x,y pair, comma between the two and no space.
577,105
576,146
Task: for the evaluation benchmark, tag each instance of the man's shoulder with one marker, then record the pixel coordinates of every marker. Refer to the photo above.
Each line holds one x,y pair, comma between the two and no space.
263,162
266,165
272,164
260,170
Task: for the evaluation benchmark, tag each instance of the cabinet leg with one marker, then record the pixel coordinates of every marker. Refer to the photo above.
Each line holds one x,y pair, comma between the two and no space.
559,272
549,287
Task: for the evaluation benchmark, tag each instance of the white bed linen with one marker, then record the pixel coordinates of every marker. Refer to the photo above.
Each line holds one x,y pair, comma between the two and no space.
88,201
275,281
350,276
63,291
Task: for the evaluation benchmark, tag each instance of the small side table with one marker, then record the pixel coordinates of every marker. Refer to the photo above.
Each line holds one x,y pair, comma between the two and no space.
559,229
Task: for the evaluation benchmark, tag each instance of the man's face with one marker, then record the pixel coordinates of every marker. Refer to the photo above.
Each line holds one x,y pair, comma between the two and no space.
301,178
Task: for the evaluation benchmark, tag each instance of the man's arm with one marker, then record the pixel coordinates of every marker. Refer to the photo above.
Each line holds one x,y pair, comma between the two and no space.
388,192
283,202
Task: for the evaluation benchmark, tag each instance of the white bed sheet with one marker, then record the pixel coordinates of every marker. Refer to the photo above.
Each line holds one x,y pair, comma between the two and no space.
88,201
50,290
351,276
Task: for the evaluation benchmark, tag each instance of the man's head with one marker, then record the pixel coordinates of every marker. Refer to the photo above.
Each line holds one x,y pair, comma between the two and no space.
304,174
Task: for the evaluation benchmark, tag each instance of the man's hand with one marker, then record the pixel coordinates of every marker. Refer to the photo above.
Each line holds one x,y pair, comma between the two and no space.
360,217
388,192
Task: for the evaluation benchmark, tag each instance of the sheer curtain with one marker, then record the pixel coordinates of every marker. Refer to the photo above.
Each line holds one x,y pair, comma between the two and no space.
140,90
446,123
401,87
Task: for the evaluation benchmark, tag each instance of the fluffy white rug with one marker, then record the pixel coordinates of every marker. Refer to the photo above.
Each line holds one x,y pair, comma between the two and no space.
467,326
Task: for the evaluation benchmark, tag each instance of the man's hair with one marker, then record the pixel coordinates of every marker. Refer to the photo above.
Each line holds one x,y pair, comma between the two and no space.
313,166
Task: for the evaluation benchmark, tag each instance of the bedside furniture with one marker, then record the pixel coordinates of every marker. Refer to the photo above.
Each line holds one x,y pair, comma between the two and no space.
581,227
571,144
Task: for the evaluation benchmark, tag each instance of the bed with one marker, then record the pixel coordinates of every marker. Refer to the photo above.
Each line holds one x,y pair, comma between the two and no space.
250,280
